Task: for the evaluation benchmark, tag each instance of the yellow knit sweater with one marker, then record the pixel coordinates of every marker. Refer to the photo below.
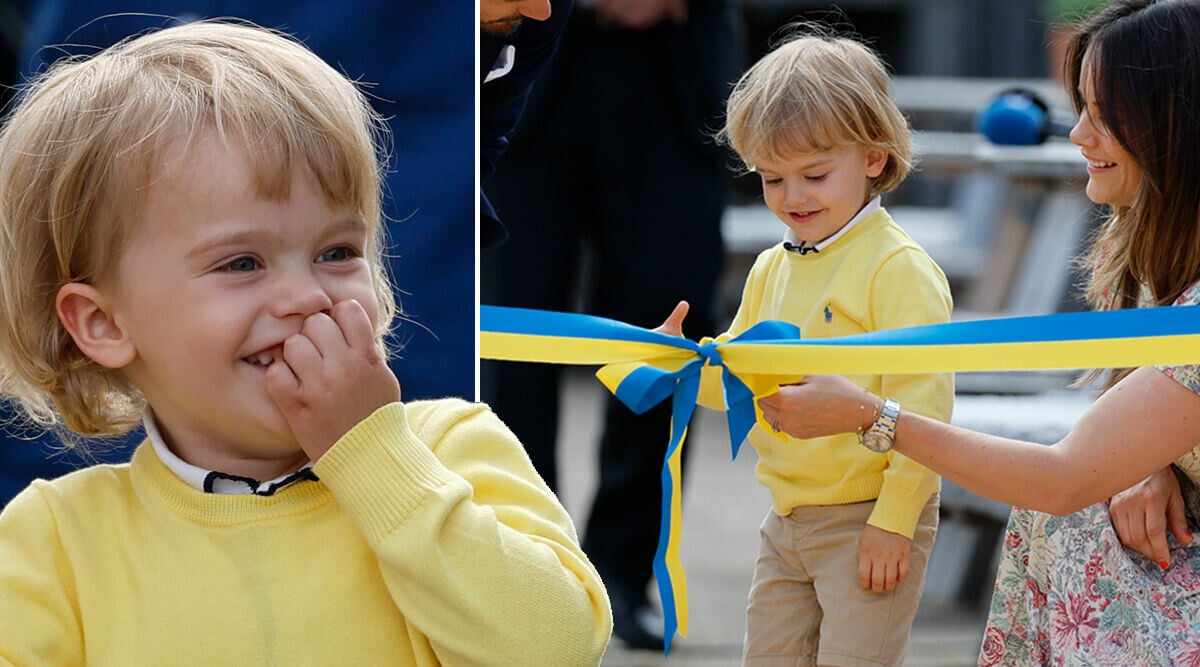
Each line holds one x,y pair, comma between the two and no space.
874,277
429,540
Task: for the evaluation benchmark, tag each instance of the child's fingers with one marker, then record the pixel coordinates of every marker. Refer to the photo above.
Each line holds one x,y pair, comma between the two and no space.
881,576
282,383
356,327
893,577
880,579
673,325
864,573
323,332
302,354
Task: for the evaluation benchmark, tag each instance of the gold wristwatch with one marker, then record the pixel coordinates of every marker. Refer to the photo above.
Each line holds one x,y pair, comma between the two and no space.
881,435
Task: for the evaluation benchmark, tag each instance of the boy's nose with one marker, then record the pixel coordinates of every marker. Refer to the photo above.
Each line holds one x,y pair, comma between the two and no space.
795,194
300,293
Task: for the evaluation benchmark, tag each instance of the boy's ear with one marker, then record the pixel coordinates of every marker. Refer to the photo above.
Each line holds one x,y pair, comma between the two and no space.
876,160
85,313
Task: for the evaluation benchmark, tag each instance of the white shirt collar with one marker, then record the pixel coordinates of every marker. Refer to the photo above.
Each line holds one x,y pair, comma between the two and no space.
504,63
215,482
865,212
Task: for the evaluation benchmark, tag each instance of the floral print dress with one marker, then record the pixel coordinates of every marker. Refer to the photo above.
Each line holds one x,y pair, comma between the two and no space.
1069,593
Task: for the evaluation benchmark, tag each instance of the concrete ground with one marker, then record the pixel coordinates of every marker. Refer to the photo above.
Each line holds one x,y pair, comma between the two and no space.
723,506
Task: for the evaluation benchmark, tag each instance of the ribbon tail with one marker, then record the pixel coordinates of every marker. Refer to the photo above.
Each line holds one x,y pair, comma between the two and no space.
739,410
668,567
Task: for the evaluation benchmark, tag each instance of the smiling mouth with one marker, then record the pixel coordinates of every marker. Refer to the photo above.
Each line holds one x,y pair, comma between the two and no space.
1101,165
265,358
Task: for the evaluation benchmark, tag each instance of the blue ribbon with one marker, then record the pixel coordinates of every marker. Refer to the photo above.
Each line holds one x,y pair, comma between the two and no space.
644,367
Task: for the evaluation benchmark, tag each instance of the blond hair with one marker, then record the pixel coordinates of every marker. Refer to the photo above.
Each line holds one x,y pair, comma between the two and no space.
78,154
817,92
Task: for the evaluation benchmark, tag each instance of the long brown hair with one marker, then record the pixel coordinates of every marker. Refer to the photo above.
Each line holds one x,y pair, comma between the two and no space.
1145,72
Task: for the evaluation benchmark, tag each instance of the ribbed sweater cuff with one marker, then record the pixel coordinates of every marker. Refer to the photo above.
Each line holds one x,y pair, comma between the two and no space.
382,473
898,509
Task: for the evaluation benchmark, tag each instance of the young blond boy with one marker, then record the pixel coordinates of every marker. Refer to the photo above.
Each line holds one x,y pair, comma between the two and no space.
845,545
190,237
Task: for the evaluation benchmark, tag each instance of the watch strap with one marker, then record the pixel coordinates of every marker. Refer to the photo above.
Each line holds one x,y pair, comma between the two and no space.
880,435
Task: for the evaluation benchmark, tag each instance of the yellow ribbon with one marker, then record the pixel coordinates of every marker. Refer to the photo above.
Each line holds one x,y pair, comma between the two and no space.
643,367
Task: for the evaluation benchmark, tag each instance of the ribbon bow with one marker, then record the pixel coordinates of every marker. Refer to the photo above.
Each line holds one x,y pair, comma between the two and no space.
643,384
644,367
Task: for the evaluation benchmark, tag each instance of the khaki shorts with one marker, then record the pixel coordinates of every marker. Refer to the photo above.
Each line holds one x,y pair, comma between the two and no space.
806,607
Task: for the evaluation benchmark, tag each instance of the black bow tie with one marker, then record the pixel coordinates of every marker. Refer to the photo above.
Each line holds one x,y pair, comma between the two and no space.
802,249
257,487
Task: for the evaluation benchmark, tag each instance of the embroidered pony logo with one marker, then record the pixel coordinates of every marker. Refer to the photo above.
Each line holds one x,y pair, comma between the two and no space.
828,314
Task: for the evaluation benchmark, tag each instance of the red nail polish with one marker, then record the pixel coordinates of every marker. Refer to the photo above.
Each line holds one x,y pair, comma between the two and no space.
1164,564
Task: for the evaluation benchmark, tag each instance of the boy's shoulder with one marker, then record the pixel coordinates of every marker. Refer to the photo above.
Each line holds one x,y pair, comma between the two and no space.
891,231
94,476
430,419
887,239
97,483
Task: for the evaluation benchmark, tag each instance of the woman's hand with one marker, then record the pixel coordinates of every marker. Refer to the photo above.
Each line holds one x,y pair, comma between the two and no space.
1143,513
820,405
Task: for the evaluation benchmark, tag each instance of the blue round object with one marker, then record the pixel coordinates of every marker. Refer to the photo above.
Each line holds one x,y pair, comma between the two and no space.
1013,119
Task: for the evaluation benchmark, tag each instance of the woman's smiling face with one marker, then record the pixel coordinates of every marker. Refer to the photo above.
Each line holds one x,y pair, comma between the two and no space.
1113,175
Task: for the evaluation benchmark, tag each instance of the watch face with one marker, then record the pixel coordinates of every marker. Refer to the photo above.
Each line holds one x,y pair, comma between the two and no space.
876,442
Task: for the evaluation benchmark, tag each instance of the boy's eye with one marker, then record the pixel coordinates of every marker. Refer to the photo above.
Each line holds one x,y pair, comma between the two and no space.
815,179
240,264
771,181
338,254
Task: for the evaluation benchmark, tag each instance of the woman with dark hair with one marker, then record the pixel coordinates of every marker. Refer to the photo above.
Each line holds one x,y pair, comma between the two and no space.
1067,589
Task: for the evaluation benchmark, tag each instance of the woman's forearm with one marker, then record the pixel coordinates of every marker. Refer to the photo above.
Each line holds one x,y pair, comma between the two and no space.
1009,471
1140,426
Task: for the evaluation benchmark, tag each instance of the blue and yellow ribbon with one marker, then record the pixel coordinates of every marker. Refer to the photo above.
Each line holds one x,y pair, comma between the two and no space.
643,368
